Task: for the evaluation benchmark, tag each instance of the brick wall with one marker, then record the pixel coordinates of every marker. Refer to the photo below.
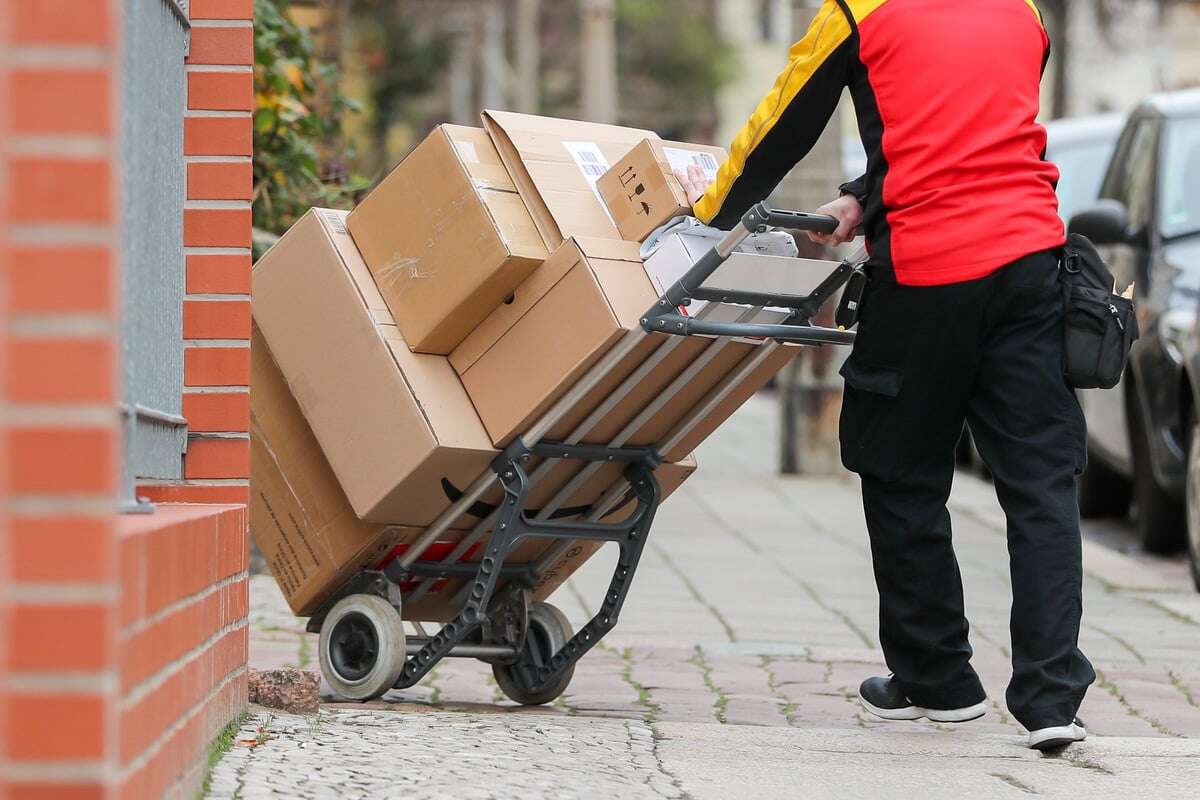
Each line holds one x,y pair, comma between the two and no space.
60,240
216,314
122,638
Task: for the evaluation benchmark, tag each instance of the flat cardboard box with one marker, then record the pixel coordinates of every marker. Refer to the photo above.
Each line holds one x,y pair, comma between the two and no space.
641,191
310,536
579,303
555,164
446,237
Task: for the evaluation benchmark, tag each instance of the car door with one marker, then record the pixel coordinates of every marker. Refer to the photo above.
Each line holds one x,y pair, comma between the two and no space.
1131,180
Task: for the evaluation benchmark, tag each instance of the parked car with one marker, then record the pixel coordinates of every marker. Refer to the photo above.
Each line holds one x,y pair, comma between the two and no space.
1192,482
1147,225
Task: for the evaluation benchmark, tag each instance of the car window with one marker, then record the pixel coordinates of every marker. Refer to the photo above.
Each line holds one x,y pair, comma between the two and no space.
1082,167
1133,178
1180,207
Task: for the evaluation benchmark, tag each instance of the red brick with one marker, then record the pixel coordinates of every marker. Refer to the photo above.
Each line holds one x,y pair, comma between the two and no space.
69,726
232,45
61,371
61,279
34,790
61,548
216,227
66,190
222,9
218,274
220,91
217,412
132,556
220,181
218,136
216,366
224,494
216,319
217,458
60,101
61,22
37,466
56,637
232,545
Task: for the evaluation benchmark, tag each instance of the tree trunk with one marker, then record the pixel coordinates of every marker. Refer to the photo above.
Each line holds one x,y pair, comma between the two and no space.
526,92
493,66
598,61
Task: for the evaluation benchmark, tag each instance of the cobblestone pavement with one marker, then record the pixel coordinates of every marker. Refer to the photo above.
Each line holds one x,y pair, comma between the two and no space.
734,670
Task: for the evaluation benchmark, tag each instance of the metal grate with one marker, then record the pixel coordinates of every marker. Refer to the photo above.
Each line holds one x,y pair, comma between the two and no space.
153,187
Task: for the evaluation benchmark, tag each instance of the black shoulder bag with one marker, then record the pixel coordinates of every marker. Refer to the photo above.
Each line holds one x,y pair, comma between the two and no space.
1100,326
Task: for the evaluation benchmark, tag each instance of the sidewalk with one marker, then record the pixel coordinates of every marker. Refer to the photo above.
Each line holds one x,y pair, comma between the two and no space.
735,666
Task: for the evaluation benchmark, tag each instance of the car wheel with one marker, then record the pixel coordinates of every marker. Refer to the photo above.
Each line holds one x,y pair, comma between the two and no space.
1102,491
1160,519
1192,501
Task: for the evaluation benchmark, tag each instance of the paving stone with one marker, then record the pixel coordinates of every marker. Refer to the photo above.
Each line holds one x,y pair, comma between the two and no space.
734,668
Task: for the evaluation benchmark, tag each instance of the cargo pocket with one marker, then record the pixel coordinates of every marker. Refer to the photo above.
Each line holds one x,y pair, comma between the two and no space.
868,429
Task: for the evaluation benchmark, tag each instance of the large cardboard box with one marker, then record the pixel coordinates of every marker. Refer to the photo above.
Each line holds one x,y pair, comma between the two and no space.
446,237
555,164
579,303
310,536
395,425
641,191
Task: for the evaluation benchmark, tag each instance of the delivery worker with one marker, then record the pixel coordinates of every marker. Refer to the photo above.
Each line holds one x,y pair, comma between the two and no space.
961,320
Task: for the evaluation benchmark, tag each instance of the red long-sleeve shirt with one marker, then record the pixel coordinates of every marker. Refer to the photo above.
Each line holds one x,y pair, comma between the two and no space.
947,94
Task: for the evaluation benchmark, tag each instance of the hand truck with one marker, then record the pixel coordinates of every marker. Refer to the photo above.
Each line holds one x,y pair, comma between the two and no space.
364,651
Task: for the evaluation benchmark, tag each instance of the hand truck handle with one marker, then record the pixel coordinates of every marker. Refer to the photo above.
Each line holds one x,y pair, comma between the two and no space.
758,218
664,316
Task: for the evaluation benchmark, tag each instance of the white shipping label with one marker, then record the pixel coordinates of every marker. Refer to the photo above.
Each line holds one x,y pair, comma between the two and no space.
681,159
592,164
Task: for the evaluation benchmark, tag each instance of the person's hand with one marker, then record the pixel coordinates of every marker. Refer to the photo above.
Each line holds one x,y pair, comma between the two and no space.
694,183
849,214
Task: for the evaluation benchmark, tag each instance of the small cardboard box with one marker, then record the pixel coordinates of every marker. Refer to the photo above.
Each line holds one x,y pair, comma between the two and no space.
311,538
641,191
578,304
555,164
446,237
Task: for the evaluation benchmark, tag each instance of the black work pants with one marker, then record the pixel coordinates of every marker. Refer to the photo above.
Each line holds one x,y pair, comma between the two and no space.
987,352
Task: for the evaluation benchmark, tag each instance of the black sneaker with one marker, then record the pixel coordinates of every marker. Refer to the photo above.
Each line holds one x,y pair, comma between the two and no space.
1058,736
884,698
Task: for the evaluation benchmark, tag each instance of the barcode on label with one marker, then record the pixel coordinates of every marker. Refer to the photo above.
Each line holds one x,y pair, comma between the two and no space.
592,163
335,222
681,159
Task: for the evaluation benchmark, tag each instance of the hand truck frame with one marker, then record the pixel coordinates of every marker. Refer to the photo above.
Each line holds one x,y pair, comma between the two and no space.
364,650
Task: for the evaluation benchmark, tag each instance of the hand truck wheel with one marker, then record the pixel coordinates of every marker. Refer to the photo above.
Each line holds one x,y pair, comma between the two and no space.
548,630
362,647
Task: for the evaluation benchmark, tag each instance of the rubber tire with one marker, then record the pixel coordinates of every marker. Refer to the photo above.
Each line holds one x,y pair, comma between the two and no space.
548,629
390,655
1102,491
1192,503
1161,521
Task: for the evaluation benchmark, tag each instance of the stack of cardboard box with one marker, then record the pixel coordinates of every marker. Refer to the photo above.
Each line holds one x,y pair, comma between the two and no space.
398,347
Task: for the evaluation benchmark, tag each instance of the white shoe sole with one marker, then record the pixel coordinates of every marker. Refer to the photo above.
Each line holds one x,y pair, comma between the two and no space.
934,714
1053,738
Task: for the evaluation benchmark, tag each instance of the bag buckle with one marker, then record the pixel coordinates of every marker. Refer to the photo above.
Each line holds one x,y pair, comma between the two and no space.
1070,261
